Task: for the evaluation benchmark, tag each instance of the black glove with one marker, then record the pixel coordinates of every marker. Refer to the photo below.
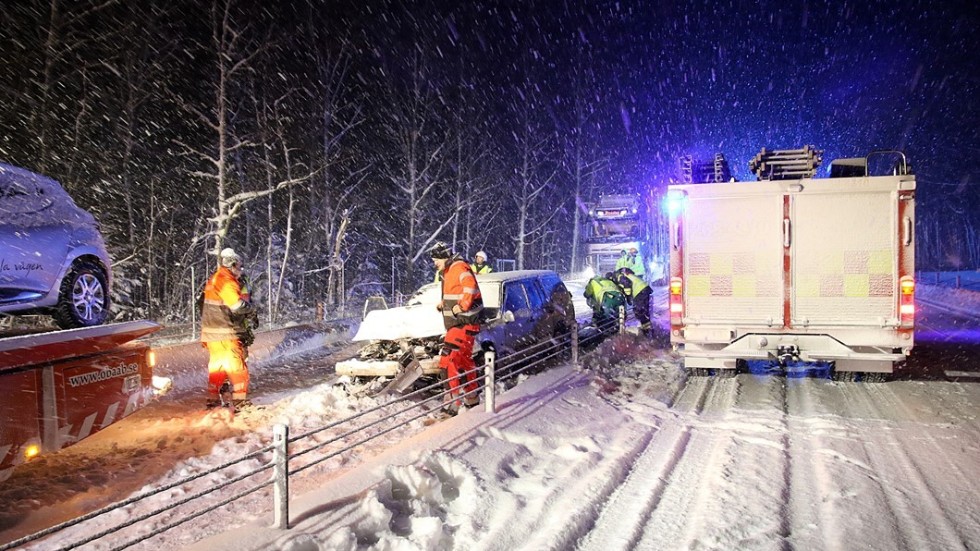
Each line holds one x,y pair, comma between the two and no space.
246,337
245,311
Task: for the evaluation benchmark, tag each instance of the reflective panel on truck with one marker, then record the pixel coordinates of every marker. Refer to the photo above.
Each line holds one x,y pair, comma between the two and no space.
844,265
741,283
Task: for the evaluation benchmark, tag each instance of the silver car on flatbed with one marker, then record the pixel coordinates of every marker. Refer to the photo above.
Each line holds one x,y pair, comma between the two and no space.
52,257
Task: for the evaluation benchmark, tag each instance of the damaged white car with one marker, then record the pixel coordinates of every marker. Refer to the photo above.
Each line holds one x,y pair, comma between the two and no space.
523,308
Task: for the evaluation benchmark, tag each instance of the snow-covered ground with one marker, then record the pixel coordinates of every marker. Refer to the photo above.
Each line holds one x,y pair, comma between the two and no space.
622,451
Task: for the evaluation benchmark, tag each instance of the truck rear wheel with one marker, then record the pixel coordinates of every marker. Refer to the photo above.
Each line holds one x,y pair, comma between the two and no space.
84,297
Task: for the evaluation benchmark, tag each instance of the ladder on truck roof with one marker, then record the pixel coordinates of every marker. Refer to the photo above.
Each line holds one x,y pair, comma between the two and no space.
786,164
696,171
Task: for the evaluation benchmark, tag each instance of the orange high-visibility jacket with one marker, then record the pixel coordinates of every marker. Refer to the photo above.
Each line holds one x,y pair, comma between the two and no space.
459,287
222,297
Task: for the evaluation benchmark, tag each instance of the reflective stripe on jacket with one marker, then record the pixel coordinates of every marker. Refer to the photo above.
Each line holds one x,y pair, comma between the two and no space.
598,286
636,284
459,287
222,297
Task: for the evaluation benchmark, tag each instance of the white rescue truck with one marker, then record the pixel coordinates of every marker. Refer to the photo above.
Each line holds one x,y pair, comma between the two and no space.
794,268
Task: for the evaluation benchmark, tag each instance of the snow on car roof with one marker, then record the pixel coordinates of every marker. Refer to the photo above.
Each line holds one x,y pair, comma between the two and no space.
420,319
31,200
507,276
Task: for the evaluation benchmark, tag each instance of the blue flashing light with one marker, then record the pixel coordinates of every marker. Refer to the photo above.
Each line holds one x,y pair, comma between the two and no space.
675,203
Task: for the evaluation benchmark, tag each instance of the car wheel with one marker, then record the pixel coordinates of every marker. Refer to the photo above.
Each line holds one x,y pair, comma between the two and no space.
84,297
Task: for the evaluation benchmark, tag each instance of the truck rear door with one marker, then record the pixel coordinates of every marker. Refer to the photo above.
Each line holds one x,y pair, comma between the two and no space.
845,236
733,255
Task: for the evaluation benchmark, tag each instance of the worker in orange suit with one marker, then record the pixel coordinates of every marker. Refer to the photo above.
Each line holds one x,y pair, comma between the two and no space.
222,317
462,309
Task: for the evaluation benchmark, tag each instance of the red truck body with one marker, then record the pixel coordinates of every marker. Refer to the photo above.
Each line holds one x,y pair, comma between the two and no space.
57,388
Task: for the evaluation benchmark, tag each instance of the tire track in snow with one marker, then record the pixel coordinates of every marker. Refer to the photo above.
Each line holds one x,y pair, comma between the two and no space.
945,533
811,512
740,515
888,459
588,483
623,516
679,515
612,501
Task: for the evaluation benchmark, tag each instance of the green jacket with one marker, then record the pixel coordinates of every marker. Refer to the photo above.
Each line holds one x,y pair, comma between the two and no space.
624,262
598,286
484,269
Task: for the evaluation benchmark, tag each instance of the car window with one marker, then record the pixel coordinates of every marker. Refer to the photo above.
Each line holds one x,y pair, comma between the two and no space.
559,293
549,282
535,294
515,300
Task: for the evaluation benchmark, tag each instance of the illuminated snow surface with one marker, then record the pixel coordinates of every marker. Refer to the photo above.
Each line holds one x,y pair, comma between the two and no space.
624,451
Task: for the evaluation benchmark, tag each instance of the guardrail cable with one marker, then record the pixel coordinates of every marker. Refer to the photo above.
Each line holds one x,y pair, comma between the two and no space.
508,367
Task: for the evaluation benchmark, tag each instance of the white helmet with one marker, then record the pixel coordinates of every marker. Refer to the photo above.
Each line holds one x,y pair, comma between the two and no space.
481,254
229,257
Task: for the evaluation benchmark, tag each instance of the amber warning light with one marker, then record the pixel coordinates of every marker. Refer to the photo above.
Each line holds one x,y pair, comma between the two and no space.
906,307
676,300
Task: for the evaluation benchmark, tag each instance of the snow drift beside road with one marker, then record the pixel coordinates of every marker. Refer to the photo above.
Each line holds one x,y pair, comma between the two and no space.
630,453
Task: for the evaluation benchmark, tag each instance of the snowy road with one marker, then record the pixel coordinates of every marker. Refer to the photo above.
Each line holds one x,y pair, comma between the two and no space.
625,451
638,456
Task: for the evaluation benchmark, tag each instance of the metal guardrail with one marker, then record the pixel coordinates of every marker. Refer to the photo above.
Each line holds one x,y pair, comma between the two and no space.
495,370
957,280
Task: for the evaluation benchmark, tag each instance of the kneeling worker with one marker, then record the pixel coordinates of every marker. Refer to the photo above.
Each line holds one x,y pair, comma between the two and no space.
604,297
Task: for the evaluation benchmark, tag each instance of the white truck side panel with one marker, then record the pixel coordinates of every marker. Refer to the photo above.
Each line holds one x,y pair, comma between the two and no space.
734,259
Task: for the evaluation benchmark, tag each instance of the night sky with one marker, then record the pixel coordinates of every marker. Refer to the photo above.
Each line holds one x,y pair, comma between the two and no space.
636,83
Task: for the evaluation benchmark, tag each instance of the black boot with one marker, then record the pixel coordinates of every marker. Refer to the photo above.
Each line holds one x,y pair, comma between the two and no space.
225,393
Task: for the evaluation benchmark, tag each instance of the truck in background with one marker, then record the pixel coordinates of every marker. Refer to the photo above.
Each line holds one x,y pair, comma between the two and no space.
795,268
616,223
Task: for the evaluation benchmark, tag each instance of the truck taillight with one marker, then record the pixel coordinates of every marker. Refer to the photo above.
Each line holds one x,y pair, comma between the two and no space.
151,358
676,300
906,305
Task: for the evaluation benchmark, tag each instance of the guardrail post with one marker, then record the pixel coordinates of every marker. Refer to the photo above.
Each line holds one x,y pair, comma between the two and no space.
489,360
280,475
575,343
193,307
622,319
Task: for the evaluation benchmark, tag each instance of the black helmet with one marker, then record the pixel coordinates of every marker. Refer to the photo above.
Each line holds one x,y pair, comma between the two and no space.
440,251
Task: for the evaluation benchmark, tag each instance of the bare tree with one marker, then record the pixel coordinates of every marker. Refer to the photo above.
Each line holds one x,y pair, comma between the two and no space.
580,160
338,114
531,178
61,41
416,169
234,51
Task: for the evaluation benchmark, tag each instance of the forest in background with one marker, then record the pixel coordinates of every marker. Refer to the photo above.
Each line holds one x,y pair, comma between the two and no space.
331,143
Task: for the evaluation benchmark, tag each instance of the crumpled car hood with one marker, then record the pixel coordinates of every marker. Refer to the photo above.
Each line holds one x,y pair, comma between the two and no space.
405,322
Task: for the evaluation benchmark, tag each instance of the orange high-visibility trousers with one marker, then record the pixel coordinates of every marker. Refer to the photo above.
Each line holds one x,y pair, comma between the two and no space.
457,357
227,361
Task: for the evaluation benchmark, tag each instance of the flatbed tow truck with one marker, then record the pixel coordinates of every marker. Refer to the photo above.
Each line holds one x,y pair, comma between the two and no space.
59,387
